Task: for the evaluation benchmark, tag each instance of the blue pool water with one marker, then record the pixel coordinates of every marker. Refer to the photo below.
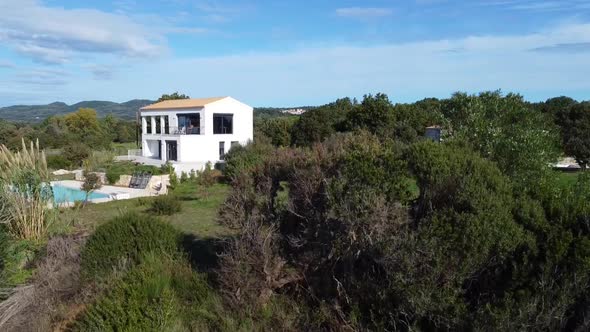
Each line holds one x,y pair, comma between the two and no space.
63,194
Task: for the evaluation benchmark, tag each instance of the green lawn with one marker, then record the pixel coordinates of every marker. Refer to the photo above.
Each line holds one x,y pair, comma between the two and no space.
198,216
567,179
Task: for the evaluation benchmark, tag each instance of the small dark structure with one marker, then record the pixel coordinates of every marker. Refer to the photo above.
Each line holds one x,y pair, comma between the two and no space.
433,133
140,180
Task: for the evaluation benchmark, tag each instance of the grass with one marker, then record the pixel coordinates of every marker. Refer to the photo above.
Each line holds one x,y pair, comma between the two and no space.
63,177
121,148
198,215
567,179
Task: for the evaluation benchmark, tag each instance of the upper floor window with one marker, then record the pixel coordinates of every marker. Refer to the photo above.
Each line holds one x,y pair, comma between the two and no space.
223,123
166,125
158,125
148,127
189,123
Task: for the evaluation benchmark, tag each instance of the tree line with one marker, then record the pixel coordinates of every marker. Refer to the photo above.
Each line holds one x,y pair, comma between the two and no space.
564,117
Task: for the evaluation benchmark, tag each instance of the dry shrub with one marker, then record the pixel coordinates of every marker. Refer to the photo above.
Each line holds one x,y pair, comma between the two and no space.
251,268
312,227
37,306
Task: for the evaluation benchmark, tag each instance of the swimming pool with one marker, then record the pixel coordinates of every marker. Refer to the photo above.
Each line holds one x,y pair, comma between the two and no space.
63,194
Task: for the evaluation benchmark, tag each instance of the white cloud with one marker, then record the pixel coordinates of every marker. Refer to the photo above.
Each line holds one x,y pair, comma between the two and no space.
543,5
406,71
6,64
363,12
54,35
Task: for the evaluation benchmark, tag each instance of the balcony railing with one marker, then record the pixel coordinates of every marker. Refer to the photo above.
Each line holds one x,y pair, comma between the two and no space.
177,131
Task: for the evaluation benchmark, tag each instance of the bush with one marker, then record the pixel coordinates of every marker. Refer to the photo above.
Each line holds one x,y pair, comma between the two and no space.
125,240
165,205
57,162
161,294
183,177
173,180
245,158
75,153
113,175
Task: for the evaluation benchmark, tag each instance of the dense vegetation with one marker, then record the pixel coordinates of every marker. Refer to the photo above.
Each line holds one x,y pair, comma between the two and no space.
345,218
492,240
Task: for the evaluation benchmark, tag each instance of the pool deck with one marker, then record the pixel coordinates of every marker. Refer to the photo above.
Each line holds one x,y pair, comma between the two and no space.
114,193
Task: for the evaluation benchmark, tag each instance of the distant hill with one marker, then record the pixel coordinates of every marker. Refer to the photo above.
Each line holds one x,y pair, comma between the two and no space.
37,113
126,110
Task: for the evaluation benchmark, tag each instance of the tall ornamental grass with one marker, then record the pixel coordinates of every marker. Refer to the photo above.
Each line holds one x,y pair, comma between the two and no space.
25,192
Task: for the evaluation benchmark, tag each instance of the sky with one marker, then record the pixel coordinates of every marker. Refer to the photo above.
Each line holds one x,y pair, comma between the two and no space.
291,53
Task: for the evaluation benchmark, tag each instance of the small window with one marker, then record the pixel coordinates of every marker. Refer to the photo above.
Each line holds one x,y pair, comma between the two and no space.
221,150
223,123
166,125
234,144
148,120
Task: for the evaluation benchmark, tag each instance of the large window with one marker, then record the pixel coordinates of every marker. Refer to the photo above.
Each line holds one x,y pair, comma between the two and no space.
148,120
223,123
189,123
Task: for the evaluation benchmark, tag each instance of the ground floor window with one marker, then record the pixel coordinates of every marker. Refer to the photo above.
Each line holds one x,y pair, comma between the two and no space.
221,150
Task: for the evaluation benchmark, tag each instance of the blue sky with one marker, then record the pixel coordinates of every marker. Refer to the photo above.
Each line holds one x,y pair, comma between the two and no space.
288,53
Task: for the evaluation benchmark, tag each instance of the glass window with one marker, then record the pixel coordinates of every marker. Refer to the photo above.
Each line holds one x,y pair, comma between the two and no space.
166,125
234,144
223,123
148,120
158,125
189,123
221,150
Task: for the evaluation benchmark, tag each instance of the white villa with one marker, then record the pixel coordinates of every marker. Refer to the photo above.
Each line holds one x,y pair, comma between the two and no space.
191,132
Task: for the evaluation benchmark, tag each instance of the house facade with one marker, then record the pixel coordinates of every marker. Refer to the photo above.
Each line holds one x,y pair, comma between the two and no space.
192,132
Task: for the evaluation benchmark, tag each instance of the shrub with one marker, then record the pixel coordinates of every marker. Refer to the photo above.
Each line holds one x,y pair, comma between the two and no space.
245,158
160,294
173,180
126,239
165,205
113,175
183,177
75,153
58,162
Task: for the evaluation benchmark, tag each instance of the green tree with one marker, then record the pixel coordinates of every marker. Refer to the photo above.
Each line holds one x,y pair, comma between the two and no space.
507,130
575,129
375,114
173,96
75,153
91,183
278,129
318,124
